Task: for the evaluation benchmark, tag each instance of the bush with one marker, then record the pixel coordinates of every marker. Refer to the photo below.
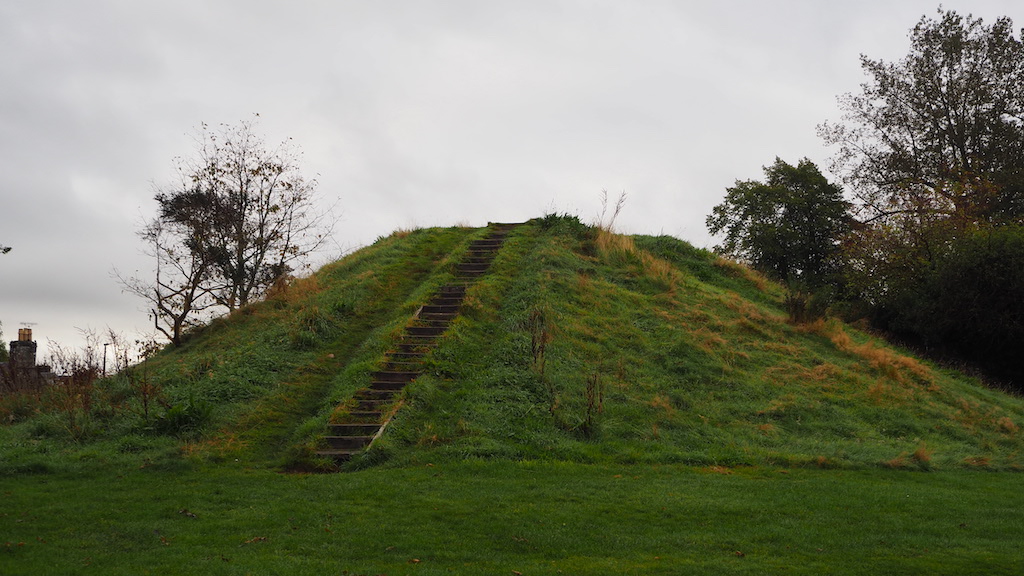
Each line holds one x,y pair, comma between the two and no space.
184,419
971,302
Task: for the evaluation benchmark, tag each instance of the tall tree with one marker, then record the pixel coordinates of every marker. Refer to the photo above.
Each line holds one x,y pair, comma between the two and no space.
241,217
788,226
249,210
932,150
940,132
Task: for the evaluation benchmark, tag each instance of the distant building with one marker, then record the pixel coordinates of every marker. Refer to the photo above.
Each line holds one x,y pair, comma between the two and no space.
21,373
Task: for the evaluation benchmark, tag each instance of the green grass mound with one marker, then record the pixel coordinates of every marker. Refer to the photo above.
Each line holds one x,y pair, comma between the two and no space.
579,345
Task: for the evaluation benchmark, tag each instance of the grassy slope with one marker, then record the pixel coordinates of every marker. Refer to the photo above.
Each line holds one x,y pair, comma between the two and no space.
709,399
697,365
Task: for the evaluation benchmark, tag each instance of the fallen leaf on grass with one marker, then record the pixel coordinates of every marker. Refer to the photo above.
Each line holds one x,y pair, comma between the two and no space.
253,540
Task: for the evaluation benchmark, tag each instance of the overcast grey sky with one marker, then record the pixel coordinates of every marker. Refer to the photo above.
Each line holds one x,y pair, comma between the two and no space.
409,113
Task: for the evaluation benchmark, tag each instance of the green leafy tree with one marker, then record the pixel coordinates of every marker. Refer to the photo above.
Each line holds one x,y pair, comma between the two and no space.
932,151
940,131
788,227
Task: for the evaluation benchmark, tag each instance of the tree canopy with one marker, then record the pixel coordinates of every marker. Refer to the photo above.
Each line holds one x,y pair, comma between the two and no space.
932,152
940,131
787,226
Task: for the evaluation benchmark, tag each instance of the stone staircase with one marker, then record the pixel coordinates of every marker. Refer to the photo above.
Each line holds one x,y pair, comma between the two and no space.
373,407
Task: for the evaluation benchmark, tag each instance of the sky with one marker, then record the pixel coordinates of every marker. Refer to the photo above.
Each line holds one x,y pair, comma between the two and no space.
408,113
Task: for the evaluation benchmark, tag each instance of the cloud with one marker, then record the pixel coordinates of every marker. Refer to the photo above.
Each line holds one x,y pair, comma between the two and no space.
408,113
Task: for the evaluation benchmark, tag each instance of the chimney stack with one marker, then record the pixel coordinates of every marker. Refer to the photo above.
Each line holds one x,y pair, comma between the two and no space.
23,351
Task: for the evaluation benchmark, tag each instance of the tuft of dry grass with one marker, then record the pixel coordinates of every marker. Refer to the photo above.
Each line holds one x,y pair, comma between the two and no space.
1007,425
663,403
609,242
740,271
718,470
978,461
922,455
890,363
897,462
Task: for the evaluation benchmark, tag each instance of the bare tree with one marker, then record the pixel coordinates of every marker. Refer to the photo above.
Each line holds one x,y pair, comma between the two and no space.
176,296
249,211
241,217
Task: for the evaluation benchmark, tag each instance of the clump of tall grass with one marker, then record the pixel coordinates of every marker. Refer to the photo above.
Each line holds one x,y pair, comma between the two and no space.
892,364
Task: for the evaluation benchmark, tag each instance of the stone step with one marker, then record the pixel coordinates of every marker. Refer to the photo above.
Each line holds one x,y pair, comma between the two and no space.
440,308
445,301
402,365
353,429
425,330
370,405
470,274
407,346
452,290
339,456
437,316
396,365
348,442
412,342
386,391
365,417
394,376
385,385
478,261
400,357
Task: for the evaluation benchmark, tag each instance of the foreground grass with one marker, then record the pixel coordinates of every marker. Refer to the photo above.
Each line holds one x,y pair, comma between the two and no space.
507,518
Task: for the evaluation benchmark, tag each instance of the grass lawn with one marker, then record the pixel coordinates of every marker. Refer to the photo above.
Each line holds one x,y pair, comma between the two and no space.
509,518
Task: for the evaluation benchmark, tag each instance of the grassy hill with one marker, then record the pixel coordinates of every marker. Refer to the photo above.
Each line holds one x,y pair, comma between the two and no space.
602,404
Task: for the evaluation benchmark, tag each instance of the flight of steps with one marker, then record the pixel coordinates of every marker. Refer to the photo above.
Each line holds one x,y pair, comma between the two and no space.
372,406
